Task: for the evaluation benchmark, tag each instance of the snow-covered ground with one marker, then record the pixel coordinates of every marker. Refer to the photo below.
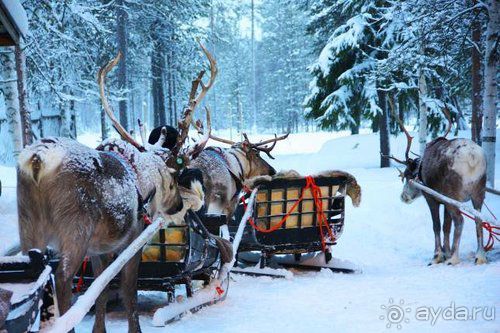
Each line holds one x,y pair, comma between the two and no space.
390,241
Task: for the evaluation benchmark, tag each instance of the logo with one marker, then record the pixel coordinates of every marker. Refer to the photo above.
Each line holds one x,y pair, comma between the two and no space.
395,314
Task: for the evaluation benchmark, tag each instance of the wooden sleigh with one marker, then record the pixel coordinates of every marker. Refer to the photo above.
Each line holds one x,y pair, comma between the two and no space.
292,226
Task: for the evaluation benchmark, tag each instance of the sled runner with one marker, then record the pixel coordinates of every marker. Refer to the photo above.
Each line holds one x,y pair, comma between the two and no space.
25,283
294,224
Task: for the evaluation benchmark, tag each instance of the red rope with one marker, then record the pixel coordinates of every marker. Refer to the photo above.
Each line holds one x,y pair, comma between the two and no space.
79,285
317,195
493,231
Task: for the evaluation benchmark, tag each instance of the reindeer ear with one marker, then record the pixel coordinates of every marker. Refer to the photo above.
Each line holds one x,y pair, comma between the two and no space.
171,170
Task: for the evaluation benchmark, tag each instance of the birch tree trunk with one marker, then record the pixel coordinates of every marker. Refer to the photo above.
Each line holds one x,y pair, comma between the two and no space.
24,112
490,88
12,100
422,96
122,40
477,112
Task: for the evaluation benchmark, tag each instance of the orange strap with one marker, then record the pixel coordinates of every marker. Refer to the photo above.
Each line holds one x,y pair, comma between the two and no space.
316,193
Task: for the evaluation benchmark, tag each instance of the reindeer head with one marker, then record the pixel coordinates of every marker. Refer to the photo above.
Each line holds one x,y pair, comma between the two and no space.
412,166
168,163
251,151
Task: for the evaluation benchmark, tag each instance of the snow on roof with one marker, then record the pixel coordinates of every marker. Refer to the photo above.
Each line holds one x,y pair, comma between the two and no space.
16,14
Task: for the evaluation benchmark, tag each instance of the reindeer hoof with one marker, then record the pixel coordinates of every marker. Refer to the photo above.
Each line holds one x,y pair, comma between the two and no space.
481,259
438,258
453,260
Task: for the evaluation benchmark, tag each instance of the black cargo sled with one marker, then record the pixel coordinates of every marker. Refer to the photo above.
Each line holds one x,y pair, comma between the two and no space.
288,207
177,255
28,284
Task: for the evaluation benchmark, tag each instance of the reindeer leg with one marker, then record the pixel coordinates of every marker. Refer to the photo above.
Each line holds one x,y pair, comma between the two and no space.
446,233
477,203
129,291
458,221
436,225
71,259
99,264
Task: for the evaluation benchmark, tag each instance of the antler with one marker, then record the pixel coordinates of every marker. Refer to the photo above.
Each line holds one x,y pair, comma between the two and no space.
446,112
200,145
194,100
409,138
199,127
265,149
101,79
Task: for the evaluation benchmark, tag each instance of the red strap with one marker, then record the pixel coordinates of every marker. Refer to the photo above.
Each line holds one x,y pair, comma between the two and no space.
316,193
79,285
147,220
493,231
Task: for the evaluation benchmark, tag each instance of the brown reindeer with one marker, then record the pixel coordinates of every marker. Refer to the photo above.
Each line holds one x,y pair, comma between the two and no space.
457,169
82,201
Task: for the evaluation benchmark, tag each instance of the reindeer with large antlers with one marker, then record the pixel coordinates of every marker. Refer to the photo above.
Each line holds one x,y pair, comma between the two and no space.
225,170
83,201
455,168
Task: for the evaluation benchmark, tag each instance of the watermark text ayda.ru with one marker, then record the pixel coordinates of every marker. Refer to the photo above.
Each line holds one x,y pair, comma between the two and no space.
398,314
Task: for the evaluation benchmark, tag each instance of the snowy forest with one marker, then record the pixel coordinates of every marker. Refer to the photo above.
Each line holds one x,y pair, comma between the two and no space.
284,65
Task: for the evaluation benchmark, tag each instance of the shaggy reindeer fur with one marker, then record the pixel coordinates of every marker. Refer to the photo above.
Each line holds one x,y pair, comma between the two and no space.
457,169
224,172
353,190
81,201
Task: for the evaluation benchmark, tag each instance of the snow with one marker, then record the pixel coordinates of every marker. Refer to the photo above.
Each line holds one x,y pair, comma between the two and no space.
390,241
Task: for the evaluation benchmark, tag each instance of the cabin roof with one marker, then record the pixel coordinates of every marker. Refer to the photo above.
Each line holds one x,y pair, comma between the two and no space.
13,22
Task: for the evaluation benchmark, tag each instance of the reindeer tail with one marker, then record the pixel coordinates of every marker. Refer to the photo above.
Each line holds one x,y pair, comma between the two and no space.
39,160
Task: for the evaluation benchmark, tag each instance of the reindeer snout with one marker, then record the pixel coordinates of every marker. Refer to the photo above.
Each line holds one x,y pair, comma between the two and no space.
406,198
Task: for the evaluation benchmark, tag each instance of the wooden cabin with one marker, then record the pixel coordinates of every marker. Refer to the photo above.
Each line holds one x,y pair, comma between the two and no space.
13,22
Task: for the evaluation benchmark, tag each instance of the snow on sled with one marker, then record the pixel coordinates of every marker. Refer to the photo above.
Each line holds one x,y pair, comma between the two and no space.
25,286
296,220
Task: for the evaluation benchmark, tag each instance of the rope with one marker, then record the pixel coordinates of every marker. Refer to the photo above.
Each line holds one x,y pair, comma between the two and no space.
493,231
323,221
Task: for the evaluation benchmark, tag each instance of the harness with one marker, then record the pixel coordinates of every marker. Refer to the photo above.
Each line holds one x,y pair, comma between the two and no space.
238,179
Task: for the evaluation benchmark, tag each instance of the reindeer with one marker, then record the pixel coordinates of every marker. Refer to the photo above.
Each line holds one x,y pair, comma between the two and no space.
82,201
455,168
226,170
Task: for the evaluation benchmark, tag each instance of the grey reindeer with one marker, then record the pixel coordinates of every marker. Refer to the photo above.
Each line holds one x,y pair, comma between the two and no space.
226,170
457,169
81,201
